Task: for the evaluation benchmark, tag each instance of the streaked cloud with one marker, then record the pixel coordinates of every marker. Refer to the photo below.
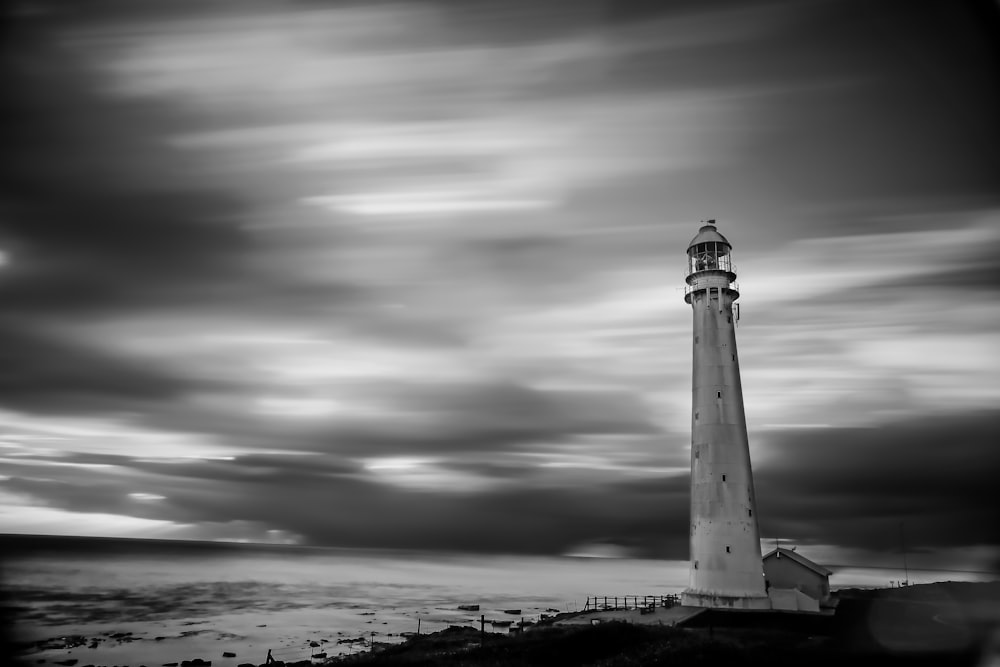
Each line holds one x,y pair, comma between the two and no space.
423,268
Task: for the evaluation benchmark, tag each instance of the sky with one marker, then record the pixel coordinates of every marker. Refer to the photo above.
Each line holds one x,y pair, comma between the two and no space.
410,274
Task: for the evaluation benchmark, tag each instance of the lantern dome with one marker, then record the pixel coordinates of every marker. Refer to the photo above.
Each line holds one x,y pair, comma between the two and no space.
709,234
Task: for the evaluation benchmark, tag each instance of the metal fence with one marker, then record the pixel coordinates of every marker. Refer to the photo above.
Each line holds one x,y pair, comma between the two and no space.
643,602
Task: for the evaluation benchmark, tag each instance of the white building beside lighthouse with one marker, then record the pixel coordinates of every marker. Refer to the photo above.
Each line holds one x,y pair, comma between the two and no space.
726,569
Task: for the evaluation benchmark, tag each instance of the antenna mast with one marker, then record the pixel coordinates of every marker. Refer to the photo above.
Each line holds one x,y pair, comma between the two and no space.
902,543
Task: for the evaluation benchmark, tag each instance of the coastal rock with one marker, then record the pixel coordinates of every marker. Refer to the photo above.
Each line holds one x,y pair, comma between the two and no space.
71,641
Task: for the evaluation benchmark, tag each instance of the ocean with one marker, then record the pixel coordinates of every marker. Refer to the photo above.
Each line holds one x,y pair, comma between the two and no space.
148,602
154,602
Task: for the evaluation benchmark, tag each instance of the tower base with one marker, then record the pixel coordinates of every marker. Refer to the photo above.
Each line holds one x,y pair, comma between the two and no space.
711,600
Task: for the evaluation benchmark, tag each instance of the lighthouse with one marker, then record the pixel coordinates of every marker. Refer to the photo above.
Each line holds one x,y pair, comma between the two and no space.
726,569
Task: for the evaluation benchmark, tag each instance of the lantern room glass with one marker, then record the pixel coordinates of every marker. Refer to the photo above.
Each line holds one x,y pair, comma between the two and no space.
710,256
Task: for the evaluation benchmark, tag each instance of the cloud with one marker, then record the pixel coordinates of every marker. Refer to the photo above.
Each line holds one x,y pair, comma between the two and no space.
400,276
853,486
849,487
360,511
48,374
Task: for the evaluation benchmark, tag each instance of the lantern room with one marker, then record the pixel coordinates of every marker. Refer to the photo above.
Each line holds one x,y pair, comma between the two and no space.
709,251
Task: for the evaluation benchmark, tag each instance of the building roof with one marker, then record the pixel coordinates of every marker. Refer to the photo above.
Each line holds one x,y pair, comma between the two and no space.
798,558
707,234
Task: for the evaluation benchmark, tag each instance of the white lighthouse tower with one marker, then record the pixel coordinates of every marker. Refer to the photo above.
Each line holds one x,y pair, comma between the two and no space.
726,569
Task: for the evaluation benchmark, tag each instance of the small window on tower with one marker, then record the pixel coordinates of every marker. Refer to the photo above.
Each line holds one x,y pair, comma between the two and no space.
728,551
696,338
730,319
723,478
749,512
718,394
734,357
696,415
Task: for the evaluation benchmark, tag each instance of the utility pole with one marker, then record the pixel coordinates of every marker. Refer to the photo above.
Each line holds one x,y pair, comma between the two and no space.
902,543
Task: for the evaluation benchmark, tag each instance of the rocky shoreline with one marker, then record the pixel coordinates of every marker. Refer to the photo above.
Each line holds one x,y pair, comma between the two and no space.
953,623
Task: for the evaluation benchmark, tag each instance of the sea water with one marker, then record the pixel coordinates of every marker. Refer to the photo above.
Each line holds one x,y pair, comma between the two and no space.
157,602
154,602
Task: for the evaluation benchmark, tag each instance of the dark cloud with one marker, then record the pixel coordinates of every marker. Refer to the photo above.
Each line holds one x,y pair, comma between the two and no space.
977,268
349,510
115,252
499,417
849,487
537,269
99,214
434,418
846,105
45,372
853,486
102,216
